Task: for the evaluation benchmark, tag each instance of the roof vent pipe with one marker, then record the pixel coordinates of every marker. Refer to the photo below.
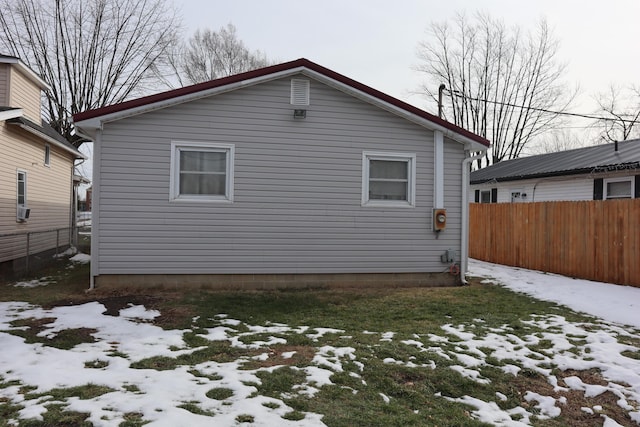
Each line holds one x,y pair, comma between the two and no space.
615,145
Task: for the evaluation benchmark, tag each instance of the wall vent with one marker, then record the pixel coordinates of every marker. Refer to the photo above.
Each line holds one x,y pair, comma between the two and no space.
300,92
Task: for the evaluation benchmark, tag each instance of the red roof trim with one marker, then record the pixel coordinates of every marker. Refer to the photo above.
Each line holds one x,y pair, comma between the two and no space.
302,62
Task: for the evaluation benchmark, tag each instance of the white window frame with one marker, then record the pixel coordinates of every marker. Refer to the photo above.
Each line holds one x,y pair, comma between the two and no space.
174,185
409,158
605,192
18,204
47,155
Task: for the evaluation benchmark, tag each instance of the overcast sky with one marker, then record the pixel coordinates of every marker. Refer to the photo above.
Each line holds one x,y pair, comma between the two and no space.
375,41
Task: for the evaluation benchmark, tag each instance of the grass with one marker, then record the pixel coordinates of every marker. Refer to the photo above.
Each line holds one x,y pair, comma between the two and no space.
378,394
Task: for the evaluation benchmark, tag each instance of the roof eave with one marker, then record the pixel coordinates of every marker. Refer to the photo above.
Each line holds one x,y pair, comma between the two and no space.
571,172
31,75
90,121
90,125
77,154
11,114
470,144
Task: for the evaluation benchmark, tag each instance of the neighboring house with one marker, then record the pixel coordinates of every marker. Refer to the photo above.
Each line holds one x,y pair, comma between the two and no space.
290,175
607,171
36,170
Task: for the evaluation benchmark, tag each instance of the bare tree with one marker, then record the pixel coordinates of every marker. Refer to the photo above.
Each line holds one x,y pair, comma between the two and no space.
554,141
209,55
621,113
501,84
91,52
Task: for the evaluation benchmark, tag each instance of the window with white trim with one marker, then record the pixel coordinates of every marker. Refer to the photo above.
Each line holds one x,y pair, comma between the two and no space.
201,171
485,196
21,194
388,179
47,155
618,188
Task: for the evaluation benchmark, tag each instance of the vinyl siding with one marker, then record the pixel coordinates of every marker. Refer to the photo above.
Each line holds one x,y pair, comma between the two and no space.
48,192
4,85
297,196
569,188
26,95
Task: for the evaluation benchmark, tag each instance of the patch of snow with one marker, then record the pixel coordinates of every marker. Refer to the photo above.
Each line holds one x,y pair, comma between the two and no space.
387,336
611,302
546,404
43,281
385,398
470,373
80,258
139,312
71,250
320,332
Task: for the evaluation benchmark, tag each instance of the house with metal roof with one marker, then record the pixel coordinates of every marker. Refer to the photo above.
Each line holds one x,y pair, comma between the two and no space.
607,171
291,175
36,172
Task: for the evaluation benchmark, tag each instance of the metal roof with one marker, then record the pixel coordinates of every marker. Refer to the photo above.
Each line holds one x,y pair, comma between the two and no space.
598,158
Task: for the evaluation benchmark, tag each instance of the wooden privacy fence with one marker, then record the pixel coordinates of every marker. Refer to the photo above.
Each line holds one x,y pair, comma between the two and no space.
595,240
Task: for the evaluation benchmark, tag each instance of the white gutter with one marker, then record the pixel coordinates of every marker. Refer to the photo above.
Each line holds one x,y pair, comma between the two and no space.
464,237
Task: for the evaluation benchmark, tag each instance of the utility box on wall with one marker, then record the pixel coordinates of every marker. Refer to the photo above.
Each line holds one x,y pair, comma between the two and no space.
439,219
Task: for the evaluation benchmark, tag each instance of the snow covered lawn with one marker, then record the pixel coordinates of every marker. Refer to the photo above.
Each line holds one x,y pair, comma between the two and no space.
457,356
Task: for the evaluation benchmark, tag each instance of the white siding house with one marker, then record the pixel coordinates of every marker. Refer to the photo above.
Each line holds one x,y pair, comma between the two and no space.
291,175
604,171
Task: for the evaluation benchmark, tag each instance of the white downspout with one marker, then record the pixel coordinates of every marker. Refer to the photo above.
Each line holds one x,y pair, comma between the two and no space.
464,238
438,170
95,209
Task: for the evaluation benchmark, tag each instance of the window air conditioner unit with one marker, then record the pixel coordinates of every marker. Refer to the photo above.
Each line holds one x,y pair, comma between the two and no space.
23,213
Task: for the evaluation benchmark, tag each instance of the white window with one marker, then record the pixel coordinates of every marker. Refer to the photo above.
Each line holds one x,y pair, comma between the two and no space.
47,155
201,171
388,179
485,196
21,195
618,188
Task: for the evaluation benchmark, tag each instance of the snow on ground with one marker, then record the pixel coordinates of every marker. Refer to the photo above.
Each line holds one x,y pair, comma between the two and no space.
548,342
615,303
121,341
80,258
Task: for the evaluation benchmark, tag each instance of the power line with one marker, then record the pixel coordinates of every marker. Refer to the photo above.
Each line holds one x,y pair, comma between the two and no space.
543,110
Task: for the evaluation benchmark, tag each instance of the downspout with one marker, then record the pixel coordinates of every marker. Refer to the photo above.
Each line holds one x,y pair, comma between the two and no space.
95,209
464,237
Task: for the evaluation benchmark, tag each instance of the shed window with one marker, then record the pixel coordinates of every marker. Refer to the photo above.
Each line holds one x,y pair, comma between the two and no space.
201,171
388,179
621,188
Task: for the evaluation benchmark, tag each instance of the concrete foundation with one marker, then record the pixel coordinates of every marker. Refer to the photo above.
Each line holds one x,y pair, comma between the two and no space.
275,281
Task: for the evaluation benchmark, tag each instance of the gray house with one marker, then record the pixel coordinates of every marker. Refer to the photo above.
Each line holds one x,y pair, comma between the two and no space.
600,172
290,175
